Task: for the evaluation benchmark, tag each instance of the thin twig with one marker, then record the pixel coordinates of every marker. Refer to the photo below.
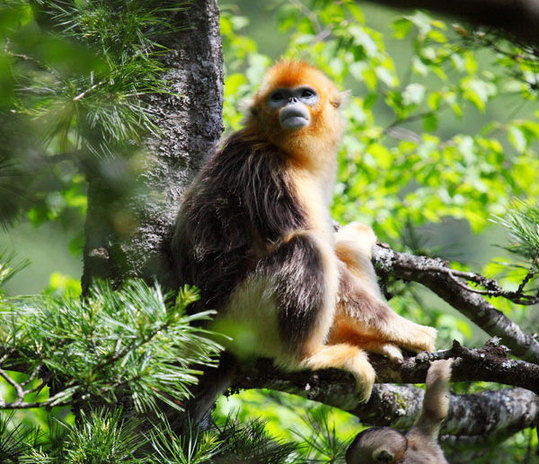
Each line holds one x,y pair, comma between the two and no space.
15,385
436,275
529,275
33,375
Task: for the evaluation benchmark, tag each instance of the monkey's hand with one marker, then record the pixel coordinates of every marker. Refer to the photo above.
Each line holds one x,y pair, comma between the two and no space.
356,236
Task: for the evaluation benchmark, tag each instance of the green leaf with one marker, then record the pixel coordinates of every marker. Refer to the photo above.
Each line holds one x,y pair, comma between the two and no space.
401,27
413,94
356,12
437,36
470,63
434,100
478,91
369,100
362,37
517,138
386,76
430,122
421,21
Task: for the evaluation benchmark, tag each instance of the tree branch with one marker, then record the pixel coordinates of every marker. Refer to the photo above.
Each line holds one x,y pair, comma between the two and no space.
498,413
518,17
436,275
489,363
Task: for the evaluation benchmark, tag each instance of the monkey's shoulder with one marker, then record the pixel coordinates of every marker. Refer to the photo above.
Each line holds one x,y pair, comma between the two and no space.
248,184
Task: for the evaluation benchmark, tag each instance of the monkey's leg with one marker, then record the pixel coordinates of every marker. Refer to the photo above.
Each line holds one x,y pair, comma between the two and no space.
345,330
285,307
306,276
364,318
353,246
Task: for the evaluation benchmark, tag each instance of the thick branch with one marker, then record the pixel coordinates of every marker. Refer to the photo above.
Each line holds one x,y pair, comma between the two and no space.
436,275
498,413
519,17
489,363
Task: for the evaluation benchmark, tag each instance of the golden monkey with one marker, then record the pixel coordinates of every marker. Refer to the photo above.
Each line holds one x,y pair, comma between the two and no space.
254,234
419,446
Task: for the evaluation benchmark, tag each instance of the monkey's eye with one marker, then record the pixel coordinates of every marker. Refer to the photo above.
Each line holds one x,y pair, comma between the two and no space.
308,93
277,96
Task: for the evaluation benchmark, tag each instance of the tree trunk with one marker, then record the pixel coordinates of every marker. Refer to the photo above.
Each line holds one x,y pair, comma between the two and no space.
131,239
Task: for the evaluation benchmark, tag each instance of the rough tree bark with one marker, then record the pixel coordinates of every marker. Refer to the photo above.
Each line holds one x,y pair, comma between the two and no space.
489,415
191,124
436,275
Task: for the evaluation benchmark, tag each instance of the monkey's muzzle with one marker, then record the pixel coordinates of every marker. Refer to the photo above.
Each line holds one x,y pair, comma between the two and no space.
294,116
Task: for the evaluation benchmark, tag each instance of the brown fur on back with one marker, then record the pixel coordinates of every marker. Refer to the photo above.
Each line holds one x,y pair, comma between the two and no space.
240,206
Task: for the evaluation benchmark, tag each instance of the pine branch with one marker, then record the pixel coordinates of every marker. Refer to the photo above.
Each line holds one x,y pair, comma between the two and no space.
447,283
126,341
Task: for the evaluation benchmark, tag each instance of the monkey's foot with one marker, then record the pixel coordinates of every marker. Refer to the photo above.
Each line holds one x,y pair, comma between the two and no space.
393,352
347,357
421,338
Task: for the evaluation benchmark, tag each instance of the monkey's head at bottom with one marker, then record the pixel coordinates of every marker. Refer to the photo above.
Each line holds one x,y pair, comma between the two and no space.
377,445
384,445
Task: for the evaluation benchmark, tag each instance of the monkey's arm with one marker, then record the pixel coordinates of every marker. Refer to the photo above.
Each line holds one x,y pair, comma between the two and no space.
363,317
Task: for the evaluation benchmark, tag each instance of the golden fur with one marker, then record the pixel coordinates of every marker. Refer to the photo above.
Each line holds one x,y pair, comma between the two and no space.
255,235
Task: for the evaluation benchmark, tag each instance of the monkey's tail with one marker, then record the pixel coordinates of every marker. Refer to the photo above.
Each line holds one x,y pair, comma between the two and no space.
436,401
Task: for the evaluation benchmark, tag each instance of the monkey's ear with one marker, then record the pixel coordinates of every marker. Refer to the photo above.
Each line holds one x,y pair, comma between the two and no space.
382,455
248,107
340,99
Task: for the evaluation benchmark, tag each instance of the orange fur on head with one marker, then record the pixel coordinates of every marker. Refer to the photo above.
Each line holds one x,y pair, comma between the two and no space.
321,137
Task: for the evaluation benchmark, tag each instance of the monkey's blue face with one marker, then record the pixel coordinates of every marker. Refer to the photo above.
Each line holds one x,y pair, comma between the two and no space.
293,105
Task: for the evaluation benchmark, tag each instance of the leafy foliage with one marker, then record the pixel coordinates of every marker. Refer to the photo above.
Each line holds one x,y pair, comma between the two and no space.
113,345
75,75
523,228
106,436
430,171
231,443
99,437
15,439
